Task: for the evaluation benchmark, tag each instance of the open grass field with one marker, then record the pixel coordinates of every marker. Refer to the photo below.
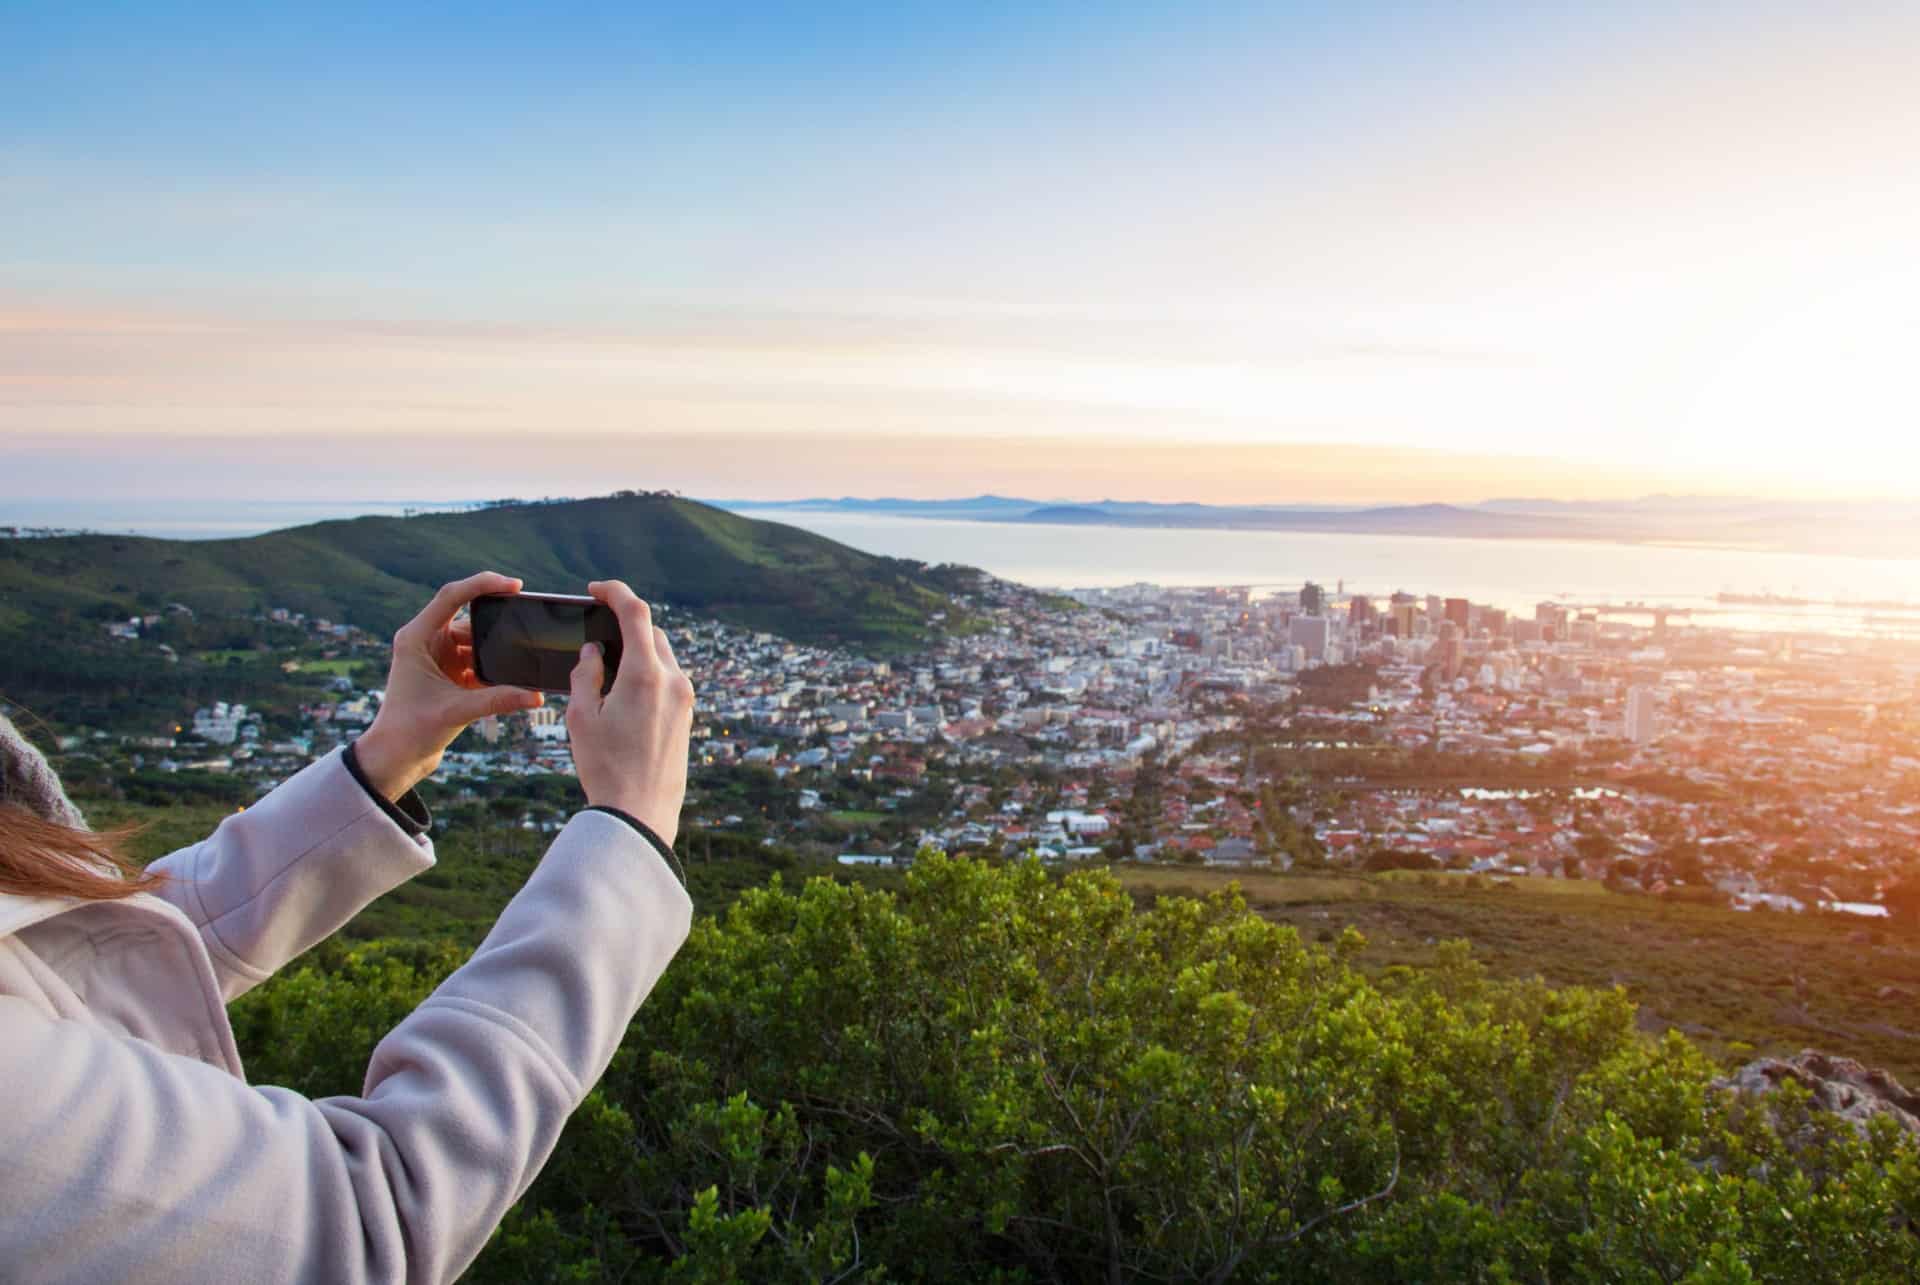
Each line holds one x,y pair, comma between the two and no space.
231,656
1776,982
339,665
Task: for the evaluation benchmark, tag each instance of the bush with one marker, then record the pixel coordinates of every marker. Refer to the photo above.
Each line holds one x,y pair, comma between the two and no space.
992,1074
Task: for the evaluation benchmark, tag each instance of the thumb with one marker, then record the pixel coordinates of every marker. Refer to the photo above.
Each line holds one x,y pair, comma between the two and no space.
499,700
587,678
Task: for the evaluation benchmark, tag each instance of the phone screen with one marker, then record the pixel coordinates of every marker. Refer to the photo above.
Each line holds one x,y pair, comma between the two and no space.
534,640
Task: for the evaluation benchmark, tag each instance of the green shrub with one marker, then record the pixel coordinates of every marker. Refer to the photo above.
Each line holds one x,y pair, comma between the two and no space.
992,1074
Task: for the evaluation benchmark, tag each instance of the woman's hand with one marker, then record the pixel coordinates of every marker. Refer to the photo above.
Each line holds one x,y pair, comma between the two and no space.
432,691
630,746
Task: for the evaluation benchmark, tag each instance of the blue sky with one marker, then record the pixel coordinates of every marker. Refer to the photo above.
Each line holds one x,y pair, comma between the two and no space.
467,150
1566,232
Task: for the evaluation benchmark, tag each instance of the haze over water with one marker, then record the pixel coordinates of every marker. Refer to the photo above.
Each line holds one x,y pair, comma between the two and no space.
1512,574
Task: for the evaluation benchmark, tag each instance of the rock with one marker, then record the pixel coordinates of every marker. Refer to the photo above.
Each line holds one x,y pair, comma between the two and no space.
1854,1092
1893,992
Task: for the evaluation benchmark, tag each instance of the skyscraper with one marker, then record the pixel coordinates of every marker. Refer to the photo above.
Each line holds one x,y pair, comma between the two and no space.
1453,650
1460,612
1313,599
1310,632
1643,716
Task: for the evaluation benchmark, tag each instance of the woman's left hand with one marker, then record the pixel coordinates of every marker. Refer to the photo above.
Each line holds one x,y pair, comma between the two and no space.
432,691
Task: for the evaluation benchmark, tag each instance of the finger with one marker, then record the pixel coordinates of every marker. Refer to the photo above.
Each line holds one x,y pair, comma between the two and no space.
498,700
455,594
450,651
664,649
461,631
588,675
679,686
450,656
636,624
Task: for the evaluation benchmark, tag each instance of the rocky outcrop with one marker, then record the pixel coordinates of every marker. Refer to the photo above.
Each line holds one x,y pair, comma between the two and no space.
1854,1092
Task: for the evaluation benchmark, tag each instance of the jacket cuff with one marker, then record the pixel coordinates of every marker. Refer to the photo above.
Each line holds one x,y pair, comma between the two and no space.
664,848
409,812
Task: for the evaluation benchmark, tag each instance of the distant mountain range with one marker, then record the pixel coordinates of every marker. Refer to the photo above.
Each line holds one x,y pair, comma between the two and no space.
1888,529
377,571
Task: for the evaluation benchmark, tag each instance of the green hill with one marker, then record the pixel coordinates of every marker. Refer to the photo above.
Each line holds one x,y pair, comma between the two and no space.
376,571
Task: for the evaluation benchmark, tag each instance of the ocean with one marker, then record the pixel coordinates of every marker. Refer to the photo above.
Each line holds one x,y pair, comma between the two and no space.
1511,574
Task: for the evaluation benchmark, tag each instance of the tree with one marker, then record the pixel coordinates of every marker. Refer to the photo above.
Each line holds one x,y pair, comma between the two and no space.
1902,899
1381,857
1682,862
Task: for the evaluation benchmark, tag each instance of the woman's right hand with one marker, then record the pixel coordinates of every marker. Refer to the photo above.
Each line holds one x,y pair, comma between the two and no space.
630,745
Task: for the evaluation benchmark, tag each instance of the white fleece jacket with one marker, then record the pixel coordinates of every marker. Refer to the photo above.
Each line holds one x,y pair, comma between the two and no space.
131,1146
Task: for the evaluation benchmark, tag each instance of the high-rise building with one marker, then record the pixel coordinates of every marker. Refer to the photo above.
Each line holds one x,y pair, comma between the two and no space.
1453,650
1404,615
1360,614
1313,599
1460,612
1311,633
1553,621
1643,716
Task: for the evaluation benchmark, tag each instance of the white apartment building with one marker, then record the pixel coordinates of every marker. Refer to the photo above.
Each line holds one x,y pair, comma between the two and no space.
1643,715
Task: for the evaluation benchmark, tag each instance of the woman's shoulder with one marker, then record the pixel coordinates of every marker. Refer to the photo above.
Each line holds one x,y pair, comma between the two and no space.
135,966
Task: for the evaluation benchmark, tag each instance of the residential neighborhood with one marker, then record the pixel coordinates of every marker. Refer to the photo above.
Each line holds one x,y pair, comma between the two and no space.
1232,727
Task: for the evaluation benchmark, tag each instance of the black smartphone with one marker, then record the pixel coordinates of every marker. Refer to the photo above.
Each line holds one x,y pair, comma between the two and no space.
534,639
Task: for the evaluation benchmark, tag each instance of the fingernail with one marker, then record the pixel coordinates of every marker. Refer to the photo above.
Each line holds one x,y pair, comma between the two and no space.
589,649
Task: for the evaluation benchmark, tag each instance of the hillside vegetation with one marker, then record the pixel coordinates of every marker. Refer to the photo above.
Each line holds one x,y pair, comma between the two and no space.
1735,983
376,571
984,1072
992,1074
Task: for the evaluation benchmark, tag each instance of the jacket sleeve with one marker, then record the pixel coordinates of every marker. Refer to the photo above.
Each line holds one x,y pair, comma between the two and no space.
289,871
128,1163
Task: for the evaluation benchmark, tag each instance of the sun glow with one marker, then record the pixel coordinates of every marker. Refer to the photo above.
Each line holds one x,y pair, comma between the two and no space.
1825,388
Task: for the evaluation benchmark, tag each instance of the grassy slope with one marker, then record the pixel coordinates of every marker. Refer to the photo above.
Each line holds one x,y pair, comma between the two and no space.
376,571
1721,976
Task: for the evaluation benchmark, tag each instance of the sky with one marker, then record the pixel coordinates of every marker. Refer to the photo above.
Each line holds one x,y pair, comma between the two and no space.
1234,252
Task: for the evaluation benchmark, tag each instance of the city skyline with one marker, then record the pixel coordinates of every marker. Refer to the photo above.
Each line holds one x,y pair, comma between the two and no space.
1396,254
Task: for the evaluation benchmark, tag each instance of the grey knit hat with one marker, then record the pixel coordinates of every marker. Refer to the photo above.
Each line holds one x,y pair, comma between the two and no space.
27,780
